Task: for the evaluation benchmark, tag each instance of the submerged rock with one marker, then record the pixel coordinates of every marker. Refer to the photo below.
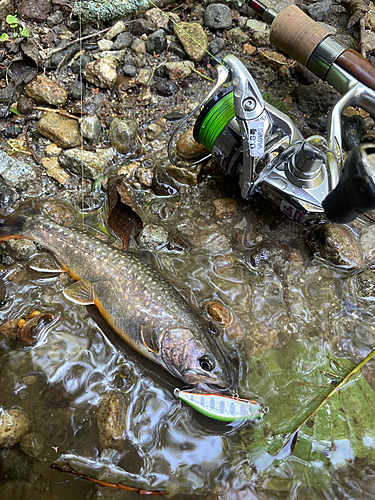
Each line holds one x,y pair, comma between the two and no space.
32,444
363,284
14,424
152,237
111,420
367,241
123,134
90,164
224,208
55,171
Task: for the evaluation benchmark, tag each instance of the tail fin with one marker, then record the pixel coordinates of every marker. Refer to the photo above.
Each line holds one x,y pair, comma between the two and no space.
12,227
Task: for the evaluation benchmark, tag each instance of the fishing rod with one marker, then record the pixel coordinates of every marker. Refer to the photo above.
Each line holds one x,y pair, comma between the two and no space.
263,149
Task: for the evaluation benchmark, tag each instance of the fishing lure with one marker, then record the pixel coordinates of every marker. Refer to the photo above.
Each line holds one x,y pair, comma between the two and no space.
225,408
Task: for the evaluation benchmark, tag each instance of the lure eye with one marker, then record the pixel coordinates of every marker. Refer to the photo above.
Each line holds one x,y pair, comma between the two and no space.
206,364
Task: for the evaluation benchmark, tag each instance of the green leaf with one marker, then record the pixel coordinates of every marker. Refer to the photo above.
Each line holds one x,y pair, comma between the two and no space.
321,415
11,20
25,32
4,37
15,111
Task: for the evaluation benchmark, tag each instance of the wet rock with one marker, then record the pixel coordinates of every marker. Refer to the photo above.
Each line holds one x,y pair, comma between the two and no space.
12,131
152,237
144,76
129,70
101,73
188,148
90,163
24,105
123,41
157,18
22,248
157,42
166,88
55,171
52,150
138,46
224,208
363,284
79,64
178,70
353,129
216,46
218,16
104,44
316,98
153,131
163,184
14,424
188,176
7,195
116,56
55,19
123,134
194,51
116,30
139,61
32,444
6,7
14,468
46,91
111,420
177,49
367,241
59,129
34,10
91,127
142,26
248,49
13,169
236,35
261,338
319,10
145,176
338,245
77,91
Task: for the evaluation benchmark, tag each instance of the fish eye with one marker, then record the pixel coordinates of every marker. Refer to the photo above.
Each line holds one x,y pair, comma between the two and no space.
206,364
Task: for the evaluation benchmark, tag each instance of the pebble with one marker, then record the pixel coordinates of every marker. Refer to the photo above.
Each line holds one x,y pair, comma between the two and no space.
138,46
189,176
90,164
157,18
152,237
338,245
11,131
236,35
22,248
59,129
12,169
367,241
165,88
55,19
111,420
7,195
364,284
123,134
157,42
104,44
34,10
79,64
77,90
197,34
369,41
52,150
101,73
129,70
142,27
116,56
319,10
179,69
91,127
153,131
219,313
144,76
224,208
32,444
14,424
216,46
145,176
248,49
116,30
177,49
353,129
188,148
24,105
46,91
218,16
315,98
55,171
123,41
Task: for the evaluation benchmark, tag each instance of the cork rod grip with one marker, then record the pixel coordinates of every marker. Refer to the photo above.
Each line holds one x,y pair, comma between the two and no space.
296,34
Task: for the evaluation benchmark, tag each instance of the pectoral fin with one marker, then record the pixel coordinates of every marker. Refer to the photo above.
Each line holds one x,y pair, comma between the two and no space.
45,264
149,338
81,292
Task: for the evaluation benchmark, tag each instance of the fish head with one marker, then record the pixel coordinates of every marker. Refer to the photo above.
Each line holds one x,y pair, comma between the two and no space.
197,364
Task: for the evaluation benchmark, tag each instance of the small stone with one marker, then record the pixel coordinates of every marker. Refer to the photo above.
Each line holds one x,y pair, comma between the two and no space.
236,35
152,237
77,91
55,171
157,42
353,129
316,98
59,129
129,70
218,16
177,49
12,169
255,25
189,34
101,73
369,41
248,49
123,134
188,148
319,10
46,91
104,44
22,248
224,208
219,313
165,88
367,241
153,131
216,46
157,18
7,195
189,176
139,61
145,176
91,127
79,64
35,10
144,76
55,19
52,150
116,56
123,41
138,46
178,70
14,424
142,27
111,420
9,329
90,164
116,29
24,105
32,444
364,284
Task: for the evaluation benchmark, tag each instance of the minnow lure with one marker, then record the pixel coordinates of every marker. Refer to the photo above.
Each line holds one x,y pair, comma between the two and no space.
225,408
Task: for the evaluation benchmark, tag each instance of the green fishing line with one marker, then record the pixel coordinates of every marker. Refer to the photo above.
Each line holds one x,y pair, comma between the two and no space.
218,117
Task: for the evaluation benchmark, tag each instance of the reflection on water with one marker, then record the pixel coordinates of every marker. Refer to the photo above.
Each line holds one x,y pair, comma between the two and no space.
276,294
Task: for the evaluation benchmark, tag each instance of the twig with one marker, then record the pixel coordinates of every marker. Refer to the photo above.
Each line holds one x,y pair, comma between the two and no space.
201,74
362,36
117,486
30,149
62,113
77,40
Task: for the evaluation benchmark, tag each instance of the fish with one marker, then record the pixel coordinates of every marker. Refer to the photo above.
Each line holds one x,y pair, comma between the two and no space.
135,300
221,407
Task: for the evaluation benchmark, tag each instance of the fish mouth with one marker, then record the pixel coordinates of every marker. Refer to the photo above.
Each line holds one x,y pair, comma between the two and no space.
205,383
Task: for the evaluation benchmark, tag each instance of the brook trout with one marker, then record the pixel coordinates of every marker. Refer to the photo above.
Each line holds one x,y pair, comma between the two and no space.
134,299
